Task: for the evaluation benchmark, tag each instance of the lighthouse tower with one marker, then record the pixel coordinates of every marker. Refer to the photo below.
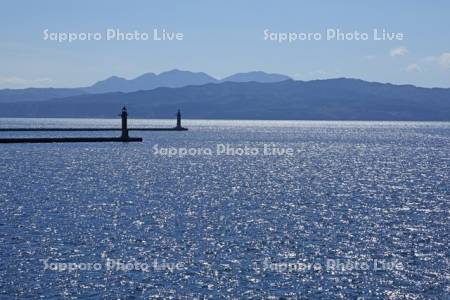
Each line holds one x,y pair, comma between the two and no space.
124,116
178,120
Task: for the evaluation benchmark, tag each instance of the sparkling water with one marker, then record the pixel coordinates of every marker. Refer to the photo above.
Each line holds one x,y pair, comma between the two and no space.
359,209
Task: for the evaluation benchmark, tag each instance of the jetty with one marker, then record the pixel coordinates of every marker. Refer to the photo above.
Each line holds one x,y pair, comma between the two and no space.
124,137
69,140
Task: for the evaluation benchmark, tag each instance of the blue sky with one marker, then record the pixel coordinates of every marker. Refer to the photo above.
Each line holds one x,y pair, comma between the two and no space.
224,37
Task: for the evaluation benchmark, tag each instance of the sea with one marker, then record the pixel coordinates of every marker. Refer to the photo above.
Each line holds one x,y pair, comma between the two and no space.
227,210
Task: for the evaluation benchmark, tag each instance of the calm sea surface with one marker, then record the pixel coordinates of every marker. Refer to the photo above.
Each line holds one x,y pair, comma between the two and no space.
360,209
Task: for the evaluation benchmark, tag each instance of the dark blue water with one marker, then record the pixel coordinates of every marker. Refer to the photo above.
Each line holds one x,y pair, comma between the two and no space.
371,196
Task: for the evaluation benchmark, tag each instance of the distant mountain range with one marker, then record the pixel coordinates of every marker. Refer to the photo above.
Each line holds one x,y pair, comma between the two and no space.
148,81
257,76
332,99
37,94
175,79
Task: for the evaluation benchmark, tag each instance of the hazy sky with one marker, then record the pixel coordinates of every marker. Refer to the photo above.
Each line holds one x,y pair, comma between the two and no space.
223,37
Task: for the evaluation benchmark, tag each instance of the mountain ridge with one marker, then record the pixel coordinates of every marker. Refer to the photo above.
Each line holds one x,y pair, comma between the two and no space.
329,99
173,78
257,76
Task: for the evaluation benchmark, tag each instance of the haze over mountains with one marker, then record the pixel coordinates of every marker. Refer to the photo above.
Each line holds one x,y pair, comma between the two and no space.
256,76
149,81
37,94
332,99
174,78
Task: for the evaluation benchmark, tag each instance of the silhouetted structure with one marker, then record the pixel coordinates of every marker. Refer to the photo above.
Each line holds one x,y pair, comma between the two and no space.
179,127
124,137
69,140
124,116
178,119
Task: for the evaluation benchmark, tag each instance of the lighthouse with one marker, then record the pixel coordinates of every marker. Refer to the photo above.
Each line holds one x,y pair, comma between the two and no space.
178,120
124,116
